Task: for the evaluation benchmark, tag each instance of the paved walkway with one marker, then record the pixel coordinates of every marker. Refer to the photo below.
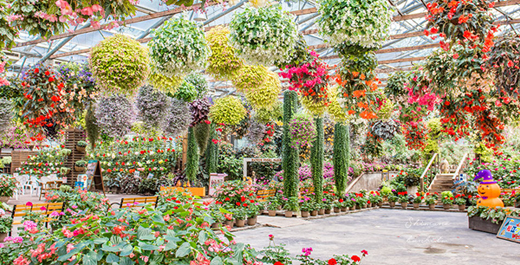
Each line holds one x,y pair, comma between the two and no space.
390,237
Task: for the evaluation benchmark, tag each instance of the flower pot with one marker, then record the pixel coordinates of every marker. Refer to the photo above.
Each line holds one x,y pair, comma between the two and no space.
416,206
344,209
2,236
404,205
4,199
352,208
358,207
321,211
365,206
327,211
374,204
305,213
288,213
272,212
392,204
241,223
385,198
314,213
79,169
462,207
446,206
251,221
80,149
229,223
337,209
431,207
380,204
216,225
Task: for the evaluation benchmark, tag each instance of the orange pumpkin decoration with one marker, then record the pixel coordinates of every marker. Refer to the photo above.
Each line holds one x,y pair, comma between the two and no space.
488,190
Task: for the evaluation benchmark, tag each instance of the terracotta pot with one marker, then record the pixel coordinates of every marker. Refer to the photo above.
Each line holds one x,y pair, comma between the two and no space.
365,206
251,221
4,199
462,207
241,223
288,213
321,211
2,236
314,213
216,225
380,204
272,212
404,205
229,223
385,198
392,204
344,209
416,206
80,149
305,213
337,209
446,206
352,208
358,207
431,207
327,211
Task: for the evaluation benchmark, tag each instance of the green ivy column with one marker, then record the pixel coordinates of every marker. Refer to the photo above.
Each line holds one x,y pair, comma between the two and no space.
91,126
289,154
317,159
211,152
192,165
340,157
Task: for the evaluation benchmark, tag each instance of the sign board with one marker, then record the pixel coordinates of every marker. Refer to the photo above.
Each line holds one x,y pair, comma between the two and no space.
264,160
215,180
81,181
510,229
94,177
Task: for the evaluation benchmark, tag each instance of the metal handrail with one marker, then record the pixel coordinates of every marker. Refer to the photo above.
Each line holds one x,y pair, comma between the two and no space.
426,171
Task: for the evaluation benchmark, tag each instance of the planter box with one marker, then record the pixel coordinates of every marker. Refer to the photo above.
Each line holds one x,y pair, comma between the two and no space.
195,191
479,224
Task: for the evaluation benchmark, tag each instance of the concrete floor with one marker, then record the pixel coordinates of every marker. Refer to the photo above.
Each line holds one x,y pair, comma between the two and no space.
390,237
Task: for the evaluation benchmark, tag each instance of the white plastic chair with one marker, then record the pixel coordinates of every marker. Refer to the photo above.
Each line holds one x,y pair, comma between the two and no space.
20,185
35,185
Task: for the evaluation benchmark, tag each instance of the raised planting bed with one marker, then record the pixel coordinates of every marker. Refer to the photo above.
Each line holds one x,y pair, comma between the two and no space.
479,224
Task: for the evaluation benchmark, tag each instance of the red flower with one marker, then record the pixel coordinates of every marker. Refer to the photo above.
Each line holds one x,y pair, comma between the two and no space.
227,199
36,70
332,262
356,258
47,73
55,98
243,199
278,263
51,79
238,204
364,252
510,63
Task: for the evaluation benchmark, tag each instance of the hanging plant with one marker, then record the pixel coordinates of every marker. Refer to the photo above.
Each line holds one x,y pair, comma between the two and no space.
178,47
315,108
8,32
464,21
416,135
263,35
37,17
227,110
265,115
115,115
256,131
6,108
357,22
201,132
75,12
166,84
152,106
119,64
199,82
297,56
199,110
250,77
385,130
267,94
241,129
186,92
302,130
335,107
222,64
504,64
395,86
178,118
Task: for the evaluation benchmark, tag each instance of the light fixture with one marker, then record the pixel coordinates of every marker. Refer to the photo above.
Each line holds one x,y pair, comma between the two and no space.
200,17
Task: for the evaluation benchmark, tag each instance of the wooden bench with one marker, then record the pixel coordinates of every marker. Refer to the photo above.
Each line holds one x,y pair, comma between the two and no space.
263,195
195,191
45,209
137,202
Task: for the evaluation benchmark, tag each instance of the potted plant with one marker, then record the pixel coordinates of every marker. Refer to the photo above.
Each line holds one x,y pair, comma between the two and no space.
430,201
392,199
344,205
252,213
291,205
417,201
447,199
6,222
64,170
229,220
403,200
385,192
272,207
337,205
218,218
241,216
375,198
81,146
80,165
460,201
306,207
7,187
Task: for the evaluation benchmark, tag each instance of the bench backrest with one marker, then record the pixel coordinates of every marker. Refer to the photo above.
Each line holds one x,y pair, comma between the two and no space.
263,195
138,202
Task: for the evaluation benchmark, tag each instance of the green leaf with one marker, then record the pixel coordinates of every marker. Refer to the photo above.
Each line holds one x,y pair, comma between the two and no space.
127,250
145,246
216,261
112,258
183,250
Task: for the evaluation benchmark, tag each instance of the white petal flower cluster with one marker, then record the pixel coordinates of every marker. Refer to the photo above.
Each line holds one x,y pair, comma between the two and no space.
362,22
263,35
178,47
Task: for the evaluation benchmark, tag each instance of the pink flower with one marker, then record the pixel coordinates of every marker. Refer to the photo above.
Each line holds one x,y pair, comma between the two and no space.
21,261
70,247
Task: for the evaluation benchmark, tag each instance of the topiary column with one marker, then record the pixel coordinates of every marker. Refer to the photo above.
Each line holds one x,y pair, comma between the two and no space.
211,152
289,154
317,159
340,157
91,126
192,163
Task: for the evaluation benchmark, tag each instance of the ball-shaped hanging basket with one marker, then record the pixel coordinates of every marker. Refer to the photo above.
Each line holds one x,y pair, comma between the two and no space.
119,65
228,110
362,22
199,82
164,83
266,95
115,115
178,118
250,77
178,47
335,106
222,64
263,35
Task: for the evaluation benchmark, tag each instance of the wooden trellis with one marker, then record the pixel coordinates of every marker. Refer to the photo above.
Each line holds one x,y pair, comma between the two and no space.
72,137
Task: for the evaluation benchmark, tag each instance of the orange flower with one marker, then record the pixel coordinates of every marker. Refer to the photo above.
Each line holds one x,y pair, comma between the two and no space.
362,77
356,74
359,93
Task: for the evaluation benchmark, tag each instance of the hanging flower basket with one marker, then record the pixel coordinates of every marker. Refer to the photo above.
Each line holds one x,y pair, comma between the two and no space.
222,64
267,94
228,110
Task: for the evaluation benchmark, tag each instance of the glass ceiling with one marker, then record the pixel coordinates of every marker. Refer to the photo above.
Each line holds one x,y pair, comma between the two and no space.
414,44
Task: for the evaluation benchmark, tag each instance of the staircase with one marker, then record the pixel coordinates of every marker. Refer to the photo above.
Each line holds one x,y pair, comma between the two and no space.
444,181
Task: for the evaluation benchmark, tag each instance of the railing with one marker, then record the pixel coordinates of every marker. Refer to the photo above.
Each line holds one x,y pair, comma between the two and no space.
461,163
426,171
